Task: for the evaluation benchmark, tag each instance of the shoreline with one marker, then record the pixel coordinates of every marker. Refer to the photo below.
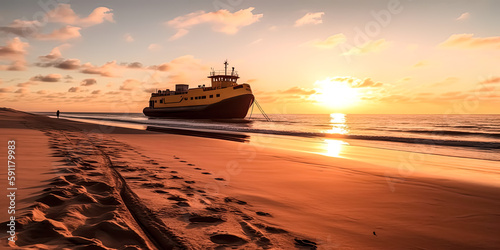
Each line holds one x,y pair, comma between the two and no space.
256,196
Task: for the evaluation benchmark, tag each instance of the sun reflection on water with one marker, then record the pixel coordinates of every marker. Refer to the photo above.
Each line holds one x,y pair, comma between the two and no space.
338,123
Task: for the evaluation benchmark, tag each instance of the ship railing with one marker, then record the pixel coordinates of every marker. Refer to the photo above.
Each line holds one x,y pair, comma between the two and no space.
223,73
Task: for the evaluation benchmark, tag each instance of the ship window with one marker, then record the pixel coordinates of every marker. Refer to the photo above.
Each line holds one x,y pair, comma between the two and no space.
191,98
196,98
156,101
204,97
211,96
185,98
161,100
218,95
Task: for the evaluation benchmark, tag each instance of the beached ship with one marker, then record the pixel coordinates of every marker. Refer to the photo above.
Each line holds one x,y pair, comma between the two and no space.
224,99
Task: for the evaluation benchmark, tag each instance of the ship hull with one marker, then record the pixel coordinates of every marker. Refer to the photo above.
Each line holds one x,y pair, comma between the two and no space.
234,107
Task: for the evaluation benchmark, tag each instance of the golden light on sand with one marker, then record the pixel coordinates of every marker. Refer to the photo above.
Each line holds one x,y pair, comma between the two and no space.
334,147
334,93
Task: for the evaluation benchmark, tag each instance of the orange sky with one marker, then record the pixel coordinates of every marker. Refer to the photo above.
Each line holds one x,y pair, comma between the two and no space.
299,57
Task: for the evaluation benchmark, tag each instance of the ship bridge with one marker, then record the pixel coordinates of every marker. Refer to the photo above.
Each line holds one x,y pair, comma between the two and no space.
221,78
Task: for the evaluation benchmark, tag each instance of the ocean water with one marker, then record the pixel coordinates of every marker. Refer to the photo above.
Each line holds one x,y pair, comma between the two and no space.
471,136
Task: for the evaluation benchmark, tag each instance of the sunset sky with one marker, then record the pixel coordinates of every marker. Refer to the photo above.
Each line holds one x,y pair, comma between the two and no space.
298,56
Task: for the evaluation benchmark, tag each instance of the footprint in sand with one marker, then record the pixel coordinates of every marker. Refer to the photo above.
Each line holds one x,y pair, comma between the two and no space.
183,161
305,243
197,168
163,167
219,179
153,185
190,182
205,219
205,173
159,191
228,239
190,164
263,214
173,172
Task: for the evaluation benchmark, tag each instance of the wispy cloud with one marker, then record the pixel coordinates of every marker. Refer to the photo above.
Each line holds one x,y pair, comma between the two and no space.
154,47
128,38
222,21
310,18
463,17
62,34
330,42
468,41
369,47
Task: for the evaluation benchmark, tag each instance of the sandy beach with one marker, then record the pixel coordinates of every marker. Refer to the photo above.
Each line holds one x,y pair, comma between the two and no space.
89,186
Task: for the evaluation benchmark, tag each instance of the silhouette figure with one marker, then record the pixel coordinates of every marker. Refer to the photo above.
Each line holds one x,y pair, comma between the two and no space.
57,113
374,233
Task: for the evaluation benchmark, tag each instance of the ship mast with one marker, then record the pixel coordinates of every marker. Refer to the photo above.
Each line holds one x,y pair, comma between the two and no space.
225,67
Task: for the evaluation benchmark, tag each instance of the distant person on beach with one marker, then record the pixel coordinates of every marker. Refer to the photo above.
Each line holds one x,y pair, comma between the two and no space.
57,113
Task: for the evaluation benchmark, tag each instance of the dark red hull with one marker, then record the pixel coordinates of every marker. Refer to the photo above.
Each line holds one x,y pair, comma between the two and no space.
235,107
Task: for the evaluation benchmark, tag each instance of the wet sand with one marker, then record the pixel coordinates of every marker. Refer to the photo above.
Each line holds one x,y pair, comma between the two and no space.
85,185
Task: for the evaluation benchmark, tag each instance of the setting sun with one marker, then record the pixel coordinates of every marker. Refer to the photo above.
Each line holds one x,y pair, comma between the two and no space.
335,93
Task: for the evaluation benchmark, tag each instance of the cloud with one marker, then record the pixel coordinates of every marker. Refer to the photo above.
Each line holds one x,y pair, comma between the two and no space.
22,91
15,49
69,64
6,90
367,83
22,28
14,53
55,53
135,65
492,80
369,47
446,82
357,83
96,92
310,18
154,47
76,89
14,66
299,91
329,42
130,84
88,82
64,14
26,84
47,78
108,69
128,38
421,64
464,16
468,41
292,95
62,34
222,21
182,63
180,33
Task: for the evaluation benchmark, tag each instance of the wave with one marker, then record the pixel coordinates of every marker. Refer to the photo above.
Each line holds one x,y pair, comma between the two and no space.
452,132
220,125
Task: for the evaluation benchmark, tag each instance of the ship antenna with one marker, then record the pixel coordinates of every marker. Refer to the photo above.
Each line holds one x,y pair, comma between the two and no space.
225,67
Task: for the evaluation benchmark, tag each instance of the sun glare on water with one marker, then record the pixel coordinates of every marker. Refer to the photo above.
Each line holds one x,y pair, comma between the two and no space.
335,94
